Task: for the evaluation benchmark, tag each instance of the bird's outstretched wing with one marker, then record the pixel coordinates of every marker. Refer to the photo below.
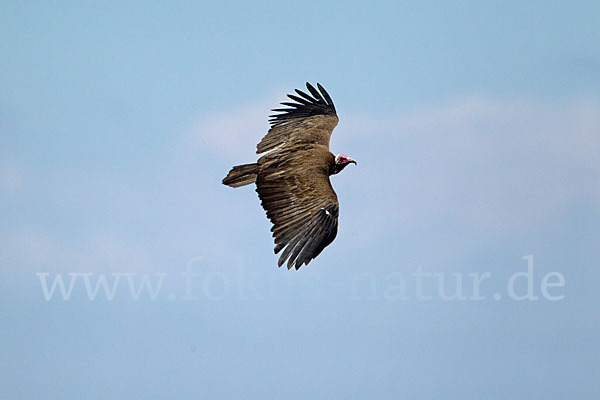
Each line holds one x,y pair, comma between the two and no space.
297,195
293,180
311,118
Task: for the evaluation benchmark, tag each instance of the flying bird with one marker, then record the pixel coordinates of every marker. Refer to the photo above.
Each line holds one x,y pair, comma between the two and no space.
292,178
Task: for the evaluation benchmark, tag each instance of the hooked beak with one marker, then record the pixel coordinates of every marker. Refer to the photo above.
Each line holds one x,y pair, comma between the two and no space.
355,163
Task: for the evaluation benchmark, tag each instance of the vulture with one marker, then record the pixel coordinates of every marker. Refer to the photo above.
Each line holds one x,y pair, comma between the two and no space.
292,178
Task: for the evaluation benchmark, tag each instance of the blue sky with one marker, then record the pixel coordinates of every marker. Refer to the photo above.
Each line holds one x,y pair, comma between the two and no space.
476,126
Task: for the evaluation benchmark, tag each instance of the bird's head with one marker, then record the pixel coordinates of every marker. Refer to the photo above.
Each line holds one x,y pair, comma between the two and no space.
341,161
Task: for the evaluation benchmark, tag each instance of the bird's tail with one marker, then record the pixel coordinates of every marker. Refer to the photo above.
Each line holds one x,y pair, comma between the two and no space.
241,175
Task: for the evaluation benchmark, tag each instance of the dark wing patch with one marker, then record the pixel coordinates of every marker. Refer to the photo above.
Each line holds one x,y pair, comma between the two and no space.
312,243
319,229
305,106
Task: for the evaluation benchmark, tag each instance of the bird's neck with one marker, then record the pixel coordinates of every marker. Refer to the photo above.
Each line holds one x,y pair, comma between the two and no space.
335,169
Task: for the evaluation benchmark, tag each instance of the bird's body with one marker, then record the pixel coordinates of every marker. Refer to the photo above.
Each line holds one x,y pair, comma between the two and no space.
292,179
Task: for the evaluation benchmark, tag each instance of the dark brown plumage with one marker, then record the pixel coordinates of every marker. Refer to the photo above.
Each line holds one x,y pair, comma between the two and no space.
292,179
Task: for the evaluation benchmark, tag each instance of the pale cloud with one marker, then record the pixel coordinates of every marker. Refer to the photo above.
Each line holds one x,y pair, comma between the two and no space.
505,166
233,134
